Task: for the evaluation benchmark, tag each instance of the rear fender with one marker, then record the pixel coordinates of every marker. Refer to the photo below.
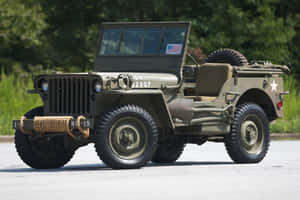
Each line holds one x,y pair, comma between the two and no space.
256,90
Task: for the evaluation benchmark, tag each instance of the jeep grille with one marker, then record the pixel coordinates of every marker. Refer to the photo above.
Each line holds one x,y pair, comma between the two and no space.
69,95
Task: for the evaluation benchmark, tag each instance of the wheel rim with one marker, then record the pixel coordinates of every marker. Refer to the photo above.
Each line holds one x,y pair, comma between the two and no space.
128,137
252,134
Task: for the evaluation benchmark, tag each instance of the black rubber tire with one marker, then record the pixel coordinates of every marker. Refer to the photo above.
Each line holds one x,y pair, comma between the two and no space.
230,56
169,150
233,141
29,150
103,126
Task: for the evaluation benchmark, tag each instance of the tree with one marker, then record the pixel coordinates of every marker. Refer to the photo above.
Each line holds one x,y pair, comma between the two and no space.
290,10
61,33
21,27
248,26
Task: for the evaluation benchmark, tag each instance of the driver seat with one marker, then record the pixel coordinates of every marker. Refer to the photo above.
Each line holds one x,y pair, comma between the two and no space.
210,79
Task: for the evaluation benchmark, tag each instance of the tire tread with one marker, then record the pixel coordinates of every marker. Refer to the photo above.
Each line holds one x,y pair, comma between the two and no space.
103,126
232,142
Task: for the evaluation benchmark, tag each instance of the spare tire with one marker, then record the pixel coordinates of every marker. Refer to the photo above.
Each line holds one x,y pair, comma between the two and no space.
230,56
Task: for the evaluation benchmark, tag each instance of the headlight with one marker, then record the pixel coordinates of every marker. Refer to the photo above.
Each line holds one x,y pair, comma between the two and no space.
98,86
45,86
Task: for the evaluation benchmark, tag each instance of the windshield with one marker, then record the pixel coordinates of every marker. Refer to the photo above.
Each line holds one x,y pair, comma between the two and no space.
142,41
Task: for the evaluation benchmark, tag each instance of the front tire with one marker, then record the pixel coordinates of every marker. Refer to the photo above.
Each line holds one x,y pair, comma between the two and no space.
42,152
126,137
249,139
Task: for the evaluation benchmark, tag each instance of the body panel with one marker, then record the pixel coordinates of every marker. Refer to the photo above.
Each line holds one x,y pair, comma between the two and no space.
141,80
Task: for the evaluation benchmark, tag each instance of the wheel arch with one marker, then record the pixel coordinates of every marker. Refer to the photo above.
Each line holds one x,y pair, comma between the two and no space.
260,98
154,103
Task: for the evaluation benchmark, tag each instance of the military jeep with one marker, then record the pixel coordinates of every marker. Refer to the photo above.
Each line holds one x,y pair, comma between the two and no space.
142,102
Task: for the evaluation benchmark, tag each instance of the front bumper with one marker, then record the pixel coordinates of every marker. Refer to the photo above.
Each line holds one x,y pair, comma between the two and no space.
77,128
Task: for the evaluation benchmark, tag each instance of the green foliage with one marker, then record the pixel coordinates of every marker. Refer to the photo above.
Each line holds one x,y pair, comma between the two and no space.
290,10
291,119
250,27
286,126
14,100
292,109
21,28
21,23
59,33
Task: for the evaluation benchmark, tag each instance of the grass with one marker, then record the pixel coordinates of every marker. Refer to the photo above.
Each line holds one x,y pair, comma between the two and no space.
15,101
290,123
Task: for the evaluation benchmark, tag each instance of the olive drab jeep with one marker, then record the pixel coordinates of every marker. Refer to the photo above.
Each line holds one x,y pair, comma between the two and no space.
143,103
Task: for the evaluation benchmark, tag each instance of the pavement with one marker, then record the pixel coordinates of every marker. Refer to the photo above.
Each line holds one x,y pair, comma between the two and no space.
203,172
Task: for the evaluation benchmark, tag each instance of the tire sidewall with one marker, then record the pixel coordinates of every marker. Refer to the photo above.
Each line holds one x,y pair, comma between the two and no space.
106,151
265,126
233,141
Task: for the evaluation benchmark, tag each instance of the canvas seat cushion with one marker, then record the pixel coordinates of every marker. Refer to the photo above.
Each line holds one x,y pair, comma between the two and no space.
210,79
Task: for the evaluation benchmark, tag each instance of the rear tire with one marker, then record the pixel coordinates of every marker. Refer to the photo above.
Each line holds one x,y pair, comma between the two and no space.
230,56
249,139
126,137
169,150
42,152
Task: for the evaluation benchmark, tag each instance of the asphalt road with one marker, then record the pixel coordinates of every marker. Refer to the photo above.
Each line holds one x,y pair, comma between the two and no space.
204,172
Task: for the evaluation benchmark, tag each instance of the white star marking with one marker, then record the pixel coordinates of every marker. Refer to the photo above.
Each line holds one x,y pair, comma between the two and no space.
274,86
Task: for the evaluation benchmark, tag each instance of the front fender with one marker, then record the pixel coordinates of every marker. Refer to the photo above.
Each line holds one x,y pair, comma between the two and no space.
152,100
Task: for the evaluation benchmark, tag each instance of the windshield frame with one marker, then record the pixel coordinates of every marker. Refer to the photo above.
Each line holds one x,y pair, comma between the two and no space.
145,25
164,63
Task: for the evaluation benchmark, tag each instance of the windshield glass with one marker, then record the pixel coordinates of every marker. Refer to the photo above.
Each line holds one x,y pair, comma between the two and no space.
142,41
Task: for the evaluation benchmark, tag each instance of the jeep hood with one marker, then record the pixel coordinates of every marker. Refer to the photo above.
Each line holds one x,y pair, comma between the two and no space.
112,80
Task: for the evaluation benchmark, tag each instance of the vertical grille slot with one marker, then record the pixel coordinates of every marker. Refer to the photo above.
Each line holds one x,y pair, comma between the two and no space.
69,95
